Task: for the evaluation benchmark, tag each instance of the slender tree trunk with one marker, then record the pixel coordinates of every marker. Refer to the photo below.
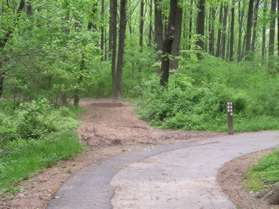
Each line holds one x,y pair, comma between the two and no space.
224,31
92,26
102,44
177,37
112,43
264,32
201,25
158,24
272,29
240,23
190,24
141,25
255,26
218,47
212,30
248,37
77,91
130,17
278,27
150,23
121,47
232,32
165,67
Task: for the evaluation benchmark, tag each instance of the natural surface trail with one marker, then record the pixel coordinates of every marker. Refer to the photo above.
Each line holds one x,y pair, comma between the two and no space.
181,175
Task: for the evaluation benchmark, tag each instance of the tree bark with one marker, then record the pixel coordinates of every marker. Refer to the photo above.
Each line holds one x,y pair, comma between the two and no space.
264,32
102,44
158,24
218,47
151,22
167,48
224,31
278,27
141,25
200,25
240,27
112,43
255,26
232,33
190,24
177,37
272,29
121,47
248,37
212,30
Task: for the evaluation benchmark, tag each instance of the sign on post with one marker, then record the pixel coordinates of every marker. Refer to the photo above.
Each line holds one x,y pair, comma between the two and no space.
230,118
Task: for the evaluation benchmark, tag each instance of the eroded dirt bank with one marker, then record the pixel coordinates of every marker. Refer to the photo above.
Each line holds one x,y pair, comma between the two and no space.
231,178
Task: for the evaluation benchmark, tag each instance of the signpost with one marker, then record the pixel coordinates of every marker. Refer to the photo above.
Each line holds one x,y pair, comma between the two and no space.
230,118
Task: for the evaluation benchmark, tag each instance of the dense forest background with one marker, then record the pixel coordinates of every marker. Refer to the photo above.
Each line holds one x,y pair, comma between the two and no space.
181,60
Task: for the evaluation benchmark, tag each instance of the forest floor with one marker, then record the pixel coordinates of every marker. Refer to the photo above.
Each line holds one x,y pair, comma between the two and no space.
108,128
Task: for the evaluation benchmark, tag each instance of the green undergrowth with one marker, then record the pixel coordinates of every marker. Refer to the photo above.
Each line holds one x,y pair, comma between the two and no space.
198,92
264,173
34,136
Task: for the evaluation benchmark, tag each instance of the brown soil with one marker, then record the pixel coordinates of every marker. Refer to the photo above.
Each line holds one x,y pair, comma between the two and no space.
232,176
108,128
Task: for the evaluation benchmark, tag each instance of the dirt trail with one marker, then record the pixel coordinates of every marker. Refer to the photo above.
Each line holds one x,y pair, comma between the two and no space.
109,128
108,122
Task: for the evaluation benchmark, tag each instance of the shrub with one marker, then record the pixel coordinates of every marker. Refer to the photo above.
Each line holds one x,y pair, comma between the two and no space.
197,96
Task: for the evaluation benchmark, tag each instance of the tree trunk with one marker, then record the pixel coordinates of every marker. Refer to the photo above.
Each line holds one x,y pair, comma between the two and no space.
232,33
248,37
177,37
272,29
150,23
190,24
224,31
254,38
92,26
102,44
212,30
158,24
112,43
240,23
200,25
121,47
278,27
264,32
141,25
167,48
218,47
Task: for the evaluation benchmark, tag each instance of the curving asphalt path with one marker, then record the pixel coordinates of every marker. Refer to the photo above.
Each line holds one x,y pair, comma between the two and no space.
177,176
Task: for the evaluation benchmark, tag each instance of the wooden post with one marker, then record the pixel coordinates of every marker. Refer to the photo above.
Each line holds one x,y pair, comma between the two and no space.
230,118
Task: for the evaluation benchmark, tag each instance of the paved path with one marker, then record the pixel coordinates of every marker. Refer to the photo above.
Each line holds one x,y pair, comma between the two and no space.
178,176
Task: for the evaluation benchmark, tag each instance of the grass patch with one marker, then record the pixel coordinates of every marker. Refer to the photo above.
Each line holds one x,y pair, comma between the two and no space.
265,173
33,136
21,159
